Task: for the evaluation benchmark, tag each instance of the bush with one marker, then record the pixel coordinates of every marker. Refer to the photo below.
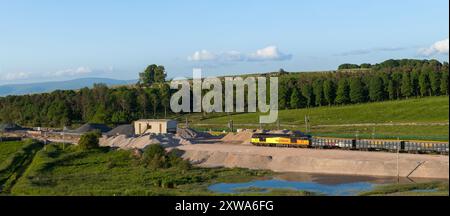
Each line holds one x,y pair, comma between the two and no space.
176,161
154,150
89,141
156,157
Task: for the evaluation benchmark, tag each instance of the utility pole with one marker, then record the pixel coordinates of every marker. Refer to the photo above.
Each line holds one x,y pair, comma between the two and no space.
64,140
45,140
307,125
230,125
373,132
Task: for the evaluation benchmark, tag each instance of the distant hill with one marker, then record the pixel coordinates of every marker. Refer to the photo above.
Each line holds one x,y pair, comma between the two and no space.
31,88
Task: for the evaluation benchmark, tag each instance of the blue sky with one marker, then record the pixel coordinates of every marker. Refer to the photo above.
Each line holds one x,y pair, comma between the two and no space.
60,40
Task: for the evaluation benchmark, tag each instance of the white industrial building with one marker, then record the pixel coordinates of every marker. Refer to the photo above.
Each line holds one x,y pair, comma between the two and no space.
156,126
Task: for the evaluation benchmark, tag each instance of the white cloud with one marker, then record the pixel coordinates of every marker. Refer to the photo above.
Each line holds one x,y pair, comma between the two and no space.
72,72
270,53
202,55
440,47
15,76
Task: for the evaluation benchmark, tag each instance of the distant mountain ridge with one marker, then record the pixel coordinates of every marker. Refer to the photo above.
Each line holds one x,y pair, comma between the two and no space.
42,87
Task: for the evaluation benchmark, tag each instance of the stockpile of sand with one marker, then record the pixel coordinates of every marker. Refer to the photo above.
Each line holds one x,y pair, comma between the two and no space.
243,137
140,142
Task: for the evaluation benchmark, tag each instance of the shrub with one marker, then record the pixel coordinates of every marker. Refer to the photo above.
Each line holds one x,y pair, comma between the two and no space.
154,150
89,141
156,157
175,160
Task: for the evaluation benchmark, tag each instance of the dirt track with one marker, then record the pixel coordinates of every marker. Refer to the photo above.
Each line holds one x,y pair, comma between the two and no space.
317,161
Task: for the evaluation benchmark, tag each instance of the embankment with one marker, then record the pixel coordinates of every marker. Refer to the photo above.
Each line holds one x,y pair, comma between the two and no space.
318,161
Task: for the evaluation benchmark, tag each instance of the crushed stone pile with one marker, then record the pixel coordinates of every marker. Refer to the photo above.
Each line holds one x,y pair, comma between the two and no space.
243,137
290,132
280,132
140,142
127,130
261,131
92,127
189,133
9,127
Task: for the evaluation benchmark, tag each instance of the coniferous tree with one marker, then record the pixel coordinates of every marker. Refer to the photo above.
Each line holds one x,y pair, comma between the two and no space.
329,91
283,95
295,99
415,83
406,85
318,92
356,90
391,89
444,83
435,82
376,89
424,84
343,91
307,92
396,81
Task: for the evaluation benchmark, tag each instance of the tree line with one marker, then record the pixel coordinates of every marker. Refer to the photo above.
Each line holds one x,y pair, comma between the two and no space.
150,97
389,80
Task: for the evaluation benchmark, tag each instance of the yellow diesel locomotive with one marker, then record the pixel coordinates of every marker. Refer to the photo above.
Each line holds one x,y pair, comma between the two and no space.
281,140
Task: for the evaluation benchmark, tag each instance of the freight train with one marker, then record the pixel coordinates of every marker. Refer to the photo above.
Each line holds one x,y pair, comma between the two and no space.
306,141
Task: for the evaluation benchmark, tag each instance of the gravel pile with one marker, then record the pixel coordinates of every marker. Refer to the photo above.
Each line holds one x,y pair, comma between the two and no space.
127,130
189,133
140,142
9,127
92,127
243,137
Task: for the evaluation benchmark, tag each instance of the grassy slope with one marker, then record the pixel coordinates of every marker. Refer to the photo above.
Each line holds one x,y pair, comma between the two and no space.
15,157
423,110
7,149
57,171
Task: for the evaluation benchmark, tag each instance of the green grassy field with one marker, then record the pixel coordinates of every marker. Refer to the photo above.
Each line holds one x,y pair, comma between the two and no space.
7,149
69,171
424,118
14,158
413,189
